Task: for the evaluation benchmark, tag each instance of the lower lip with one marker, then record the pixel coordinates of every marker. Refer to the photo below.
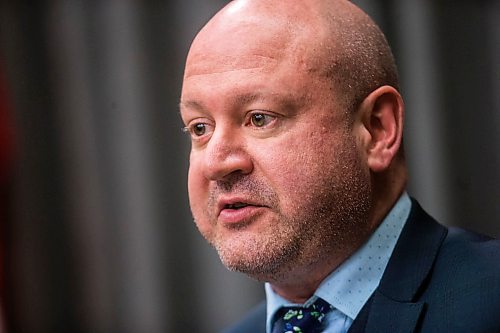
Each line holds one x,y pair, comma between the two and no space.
233,216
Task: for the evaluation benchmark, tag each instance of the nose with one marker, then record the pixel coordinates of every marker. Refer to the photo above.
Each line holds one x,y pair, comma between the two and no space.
226,154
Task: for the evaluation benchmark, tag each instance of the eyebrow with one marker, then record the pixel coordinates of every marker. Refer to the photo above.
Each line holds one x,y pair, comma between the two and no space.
247,98
234,100
189,104
287,101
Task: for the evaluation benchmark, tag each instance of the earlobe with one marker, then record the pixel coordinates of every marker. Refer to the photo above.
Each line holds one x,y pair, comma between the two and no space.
382,118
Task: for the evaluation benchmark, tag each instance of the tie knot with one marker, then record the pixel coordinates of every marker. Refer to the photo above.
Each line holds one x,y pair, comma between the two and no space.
302,319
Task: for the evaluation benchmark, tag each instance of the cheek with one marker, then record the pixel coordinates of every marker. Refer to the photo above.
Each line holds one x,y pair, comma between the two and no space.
294,166
197,190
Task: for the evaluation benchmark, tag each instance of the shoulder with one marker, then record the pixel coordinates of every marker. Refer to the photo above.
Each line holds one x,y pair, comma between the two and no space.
464,287
454,273
253,322
469,255
460,251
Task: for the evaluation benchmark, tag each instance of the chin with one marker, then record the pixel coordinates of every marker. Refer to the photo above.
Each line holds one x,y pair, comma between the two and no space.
261,259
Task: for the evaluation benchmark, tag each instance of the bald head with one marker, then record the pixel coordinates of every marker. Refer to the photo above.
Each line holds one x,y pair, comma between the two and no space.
333,39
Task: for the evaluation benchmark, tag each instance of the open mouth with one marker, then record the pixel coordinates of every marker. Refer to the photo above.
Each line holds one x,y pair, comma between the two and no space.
234,212
236,205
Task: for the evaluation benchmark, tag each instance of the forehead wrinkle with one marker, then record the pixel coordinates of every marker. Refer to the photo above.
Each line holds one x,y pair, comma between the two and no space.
228,64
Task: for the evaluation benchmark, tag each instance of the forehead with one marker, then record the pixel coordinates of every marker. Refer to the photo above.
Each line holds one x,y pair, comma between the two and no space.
247,73
246,45
262,57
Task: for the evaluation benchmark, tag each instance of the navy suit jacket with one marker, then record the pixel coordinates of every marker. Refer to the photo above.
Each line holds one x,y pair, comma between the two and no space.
437,280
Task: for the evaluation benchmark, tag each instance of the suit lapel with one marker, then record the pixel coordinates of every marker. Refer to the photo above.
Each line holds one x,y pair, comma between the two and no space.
387,315
394,306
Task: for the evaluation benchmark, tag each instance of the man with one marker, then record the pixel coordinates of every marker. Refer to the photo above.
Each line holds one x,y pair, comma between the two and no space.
297,177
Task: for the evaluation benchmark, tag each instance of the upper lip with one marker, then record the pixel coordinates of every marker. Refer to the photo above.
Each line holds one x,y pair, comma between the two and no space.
228,202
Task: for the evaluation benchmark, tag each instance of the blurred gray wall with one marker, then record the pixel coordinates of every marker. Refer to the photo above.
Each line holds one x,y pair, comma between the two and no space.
100,235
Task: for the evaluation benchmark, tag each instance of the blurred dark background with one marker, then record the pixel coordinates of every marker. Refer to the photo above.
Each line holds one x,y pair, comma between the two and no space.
95,223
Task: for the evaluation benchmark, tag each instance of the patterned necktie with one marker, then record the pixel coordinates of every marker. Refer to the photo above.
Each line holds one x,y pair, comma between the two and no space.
298,319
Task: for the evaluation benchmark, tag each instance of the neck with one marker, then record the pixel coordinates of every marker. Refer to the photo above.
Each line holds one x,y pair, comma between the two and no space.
387,188
298,287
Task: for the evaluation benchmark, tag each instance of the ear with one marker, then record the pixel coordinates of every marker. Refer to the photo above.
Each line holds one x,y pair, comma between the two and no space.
381,127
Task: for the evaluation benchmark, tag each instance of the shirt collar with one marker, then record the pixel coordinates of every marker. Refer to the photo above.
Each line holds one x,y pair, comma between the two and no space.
349,286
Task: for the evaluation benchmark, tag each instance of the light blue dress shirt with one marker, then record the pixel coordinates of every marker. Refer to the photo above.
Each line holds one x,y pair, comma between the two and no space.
349,286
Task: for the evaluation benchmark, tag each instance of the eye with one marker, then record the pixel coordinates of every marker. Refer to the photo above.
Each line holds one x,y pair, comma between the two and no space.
197,129
261,119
